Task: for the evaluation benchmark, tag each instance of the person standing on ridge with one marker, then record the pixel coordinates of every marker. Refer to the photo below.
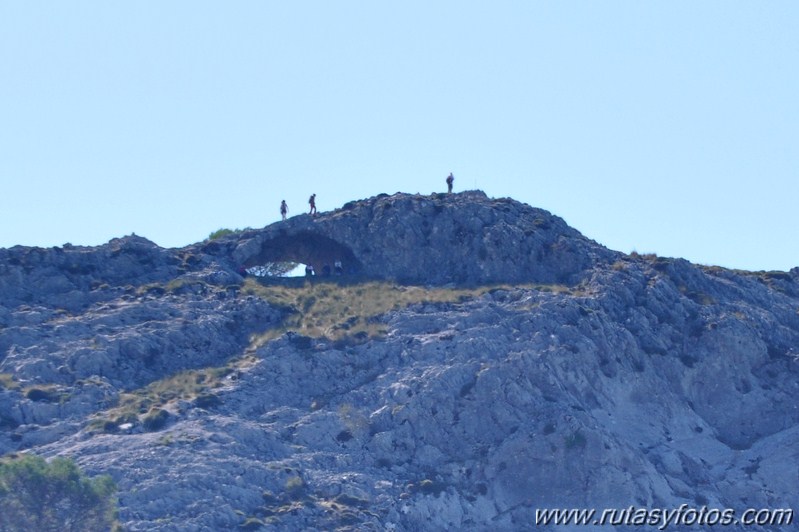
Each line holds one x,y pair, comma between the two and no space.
284,209
450,180
312,203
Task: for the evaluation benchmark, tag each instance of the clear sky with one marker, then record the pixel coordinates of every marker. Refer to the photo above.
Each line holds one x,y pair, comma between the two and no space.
666,127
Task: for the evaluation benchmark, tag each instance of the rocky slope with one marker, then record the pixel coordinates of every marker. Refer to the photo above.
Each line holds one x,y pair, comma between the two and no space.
587,379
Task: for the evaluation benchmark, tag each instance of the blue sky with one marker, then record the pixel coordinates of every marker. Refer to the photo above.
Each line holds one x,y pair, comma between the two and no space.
666,127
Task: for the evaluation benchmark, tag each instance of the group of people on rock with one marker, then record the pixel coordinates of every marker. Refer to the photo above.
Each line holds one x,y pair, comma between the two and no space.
338,269
284,208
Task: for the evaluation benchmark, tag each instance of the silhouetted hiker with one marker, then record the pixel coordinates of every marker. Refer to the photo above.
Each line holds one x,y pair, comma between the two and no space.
309,271
312,203
326,270
337,268
450,180
284,209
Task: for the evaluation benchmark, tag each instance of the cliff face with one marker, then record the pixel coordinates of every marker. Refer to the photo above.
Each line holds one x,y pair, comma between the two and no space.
590,379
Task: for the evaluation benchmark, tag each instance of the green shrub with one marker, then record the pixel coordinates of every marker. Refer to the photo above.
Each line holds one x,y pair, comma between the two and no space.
219,233
575,441
295,486
103,425
37,495
155,420
431,487
44,394
207,400
351,500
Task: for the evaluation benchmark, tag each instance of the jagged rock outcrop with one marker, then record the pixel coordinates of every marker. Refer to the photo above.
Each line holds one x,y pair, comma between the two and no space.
593,380
69,277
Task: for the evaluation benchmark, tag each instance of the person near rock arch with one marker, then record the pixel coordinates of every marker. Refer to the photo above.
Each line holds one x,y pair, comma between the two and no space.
309,270
312,203
337,268
450,180
284,209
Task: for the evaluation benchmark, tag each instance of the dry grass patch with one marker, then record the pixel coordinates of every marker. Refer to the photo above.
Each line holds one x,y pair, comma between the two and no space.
7,381
335,311
139,406
348,312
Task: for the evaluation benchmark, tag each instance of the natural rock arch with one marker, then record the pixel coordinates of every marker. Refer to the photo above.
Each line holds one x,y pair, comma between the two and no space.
304,247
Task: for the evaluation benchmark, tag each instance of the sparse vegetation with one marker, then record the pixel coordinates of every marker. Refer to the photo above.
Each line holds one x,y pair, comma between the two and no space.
7,382
335,311
646,256
354,420
252,523
619,265
37,495
295,486
575,441
46,393
146,405
155,419
219,233
344,313
431,487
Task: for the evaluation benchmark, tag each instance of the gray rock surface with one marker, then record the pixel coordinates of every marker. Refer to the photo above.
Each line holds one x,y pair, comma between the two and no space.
644,381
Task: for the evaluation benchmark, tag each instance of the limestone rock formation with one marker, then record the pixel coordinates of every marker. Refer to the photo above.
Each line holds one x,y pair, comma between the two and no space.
432,240
537,370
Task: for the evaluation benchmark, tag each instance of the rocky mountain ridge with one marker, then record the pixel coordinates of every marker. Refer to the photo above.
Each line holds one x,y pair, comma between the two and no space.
463,238
581,377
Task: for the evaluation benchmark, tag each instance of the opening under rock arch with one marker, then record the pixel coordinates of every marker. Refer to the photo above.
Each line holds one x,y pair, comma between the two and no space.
307,248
